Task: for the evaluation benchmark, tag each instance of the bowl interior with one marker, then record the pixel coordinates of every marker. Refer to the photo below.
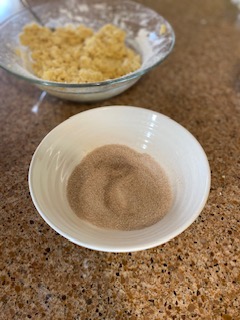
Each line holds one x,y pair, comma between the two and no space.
170,144
143,26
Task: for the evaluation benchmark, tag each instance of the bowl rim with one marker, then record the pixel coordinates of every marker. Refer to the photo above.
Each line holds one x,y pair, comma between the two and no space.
130,247
130,76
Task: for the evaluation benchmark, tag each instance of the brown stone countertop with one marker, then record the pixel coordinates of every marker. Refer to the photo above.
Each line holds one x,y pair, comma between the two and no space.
194,276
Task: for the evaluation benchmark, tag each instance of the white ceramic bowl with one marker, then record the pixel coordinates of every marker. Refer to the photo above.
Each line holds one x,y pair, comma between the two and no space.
169,143
148,33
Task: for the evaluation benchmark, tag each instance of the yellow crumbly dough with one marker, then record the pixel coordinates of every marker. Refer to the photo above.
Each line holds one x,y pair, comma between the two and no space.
77,55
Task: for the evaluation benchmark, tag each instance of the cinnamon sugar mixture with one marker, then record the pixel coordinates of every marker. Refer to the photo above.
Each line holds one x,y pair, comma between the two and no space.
115,187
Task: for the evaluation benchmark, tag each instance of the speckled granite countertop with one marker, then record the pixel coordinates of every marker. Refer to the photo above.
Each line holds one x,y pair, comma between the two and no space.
196,275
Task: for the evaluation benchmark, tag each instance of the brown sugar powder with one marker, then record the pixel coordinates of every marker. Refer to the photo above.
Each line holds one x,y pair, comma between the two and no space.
115,187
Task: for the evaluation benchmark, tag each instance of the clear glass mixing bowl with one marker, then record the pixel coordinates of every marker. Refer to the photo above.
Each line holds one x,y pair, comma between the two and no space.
147,32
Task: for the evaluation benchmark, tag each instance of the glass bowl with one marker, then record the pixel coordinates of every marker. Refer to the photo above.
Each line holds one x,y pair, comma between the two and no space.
148,33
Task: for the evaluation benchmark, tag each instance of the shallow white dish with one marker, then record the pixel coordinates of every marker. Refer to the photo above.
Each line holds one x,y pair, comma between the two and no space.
144,130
